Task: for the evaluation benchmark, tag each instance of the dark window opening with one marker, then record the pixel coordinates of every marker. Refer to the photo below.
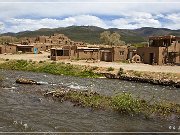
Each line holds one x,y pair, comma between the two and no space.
59,52
121,52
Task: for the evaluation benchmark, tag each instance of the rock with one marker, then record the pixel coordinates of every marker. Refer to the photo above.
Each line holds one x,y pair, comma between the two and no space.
25,81
177,85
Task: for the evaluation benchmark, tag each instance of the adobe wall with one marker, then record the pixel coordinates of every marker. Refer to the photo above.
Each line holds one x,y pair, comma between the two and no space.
42,47
8,49
81,54
144,52
175,47
59,57
2,50
120,53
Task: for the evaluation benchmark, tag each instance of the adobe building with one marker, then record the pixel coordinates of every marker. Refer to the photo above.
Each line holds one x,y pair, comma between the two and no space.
116,53
54,39
162,50
9,48
38,47
61,53
24,48
85,53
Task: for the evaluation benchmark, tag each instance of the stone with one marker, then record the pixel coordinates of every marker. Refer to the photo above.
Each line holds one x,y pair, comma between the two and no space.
25,81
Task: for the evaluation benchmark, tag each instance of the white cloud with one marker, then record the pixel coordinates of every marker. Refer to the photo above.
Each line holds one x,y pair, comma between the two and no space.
129,14
16,25
138,20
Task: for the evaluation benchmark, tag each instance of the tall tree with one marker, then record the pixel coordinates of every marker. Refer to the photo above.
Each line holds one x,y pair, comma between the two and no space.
111,39
105,37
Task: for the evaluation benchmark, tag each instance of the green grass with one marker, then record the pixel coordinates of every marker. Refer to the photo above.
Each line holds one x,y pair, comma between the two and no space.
110,69
124,103
47,67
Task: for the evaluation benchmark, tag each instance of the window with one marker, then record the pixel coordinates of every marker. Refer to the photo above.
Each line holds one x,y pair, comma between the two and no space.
121,52
85,52
59,52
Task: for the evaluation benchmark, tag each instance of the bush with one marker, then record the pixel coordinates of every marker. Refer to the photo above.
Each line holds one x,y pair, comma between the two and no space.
125,103
110,69
95,68
121,71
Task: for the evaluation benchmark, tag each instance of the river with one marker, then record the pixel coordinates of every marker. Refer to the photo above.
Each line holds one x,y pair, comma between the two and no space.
23,108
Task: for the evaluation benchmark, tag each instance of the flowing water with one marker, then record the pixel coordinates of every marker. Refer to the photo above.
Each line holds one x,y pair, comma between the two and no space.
24,109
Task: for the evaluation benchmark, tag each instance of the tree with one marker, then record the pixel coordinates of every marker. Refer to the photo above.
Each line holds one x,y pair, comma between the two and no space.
105,37
111,39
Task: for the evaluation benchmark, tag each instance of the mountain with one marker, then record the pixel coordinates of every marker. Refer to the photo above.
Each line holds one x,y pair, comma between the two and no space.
91,34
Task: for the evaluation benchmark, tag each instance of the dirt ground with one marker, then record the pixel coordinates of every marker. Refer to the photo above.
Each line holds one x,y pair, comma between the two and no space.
115,65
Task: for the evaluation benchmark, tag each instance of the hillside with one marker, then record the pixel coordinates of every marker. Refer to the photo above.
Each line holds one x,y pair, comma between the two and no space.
91,34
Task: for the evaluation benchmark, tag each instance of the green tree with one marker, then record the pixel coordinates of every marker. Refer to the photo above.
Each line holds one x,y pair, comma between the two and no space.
111,39
105,37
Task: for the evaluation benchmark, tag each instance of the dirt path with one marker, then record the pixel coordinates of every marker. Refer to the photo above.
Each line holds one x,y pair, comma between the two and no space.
115,65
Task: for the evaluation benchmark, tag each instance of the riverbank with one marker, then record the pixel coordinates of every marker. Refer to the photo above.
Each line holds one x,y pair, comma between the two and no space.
157,78
61,68
124,103
49,67
100,64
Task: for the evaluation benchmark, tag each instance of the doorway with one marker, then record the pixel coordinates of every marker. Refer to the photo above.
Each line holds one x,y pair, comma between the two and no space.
151,58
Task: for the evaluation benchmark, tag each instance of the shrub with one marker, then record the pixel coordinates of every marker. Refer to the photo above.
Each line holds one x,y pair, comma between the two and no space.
95,68
125,103
110,69
121,71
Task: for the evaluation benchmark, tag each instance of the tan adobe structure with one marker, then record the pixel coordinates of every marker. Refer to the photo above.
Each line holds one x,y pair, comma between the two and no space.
61,53
87,53
116,53
24,48
161,50
102,53
136,58
54,39
9,48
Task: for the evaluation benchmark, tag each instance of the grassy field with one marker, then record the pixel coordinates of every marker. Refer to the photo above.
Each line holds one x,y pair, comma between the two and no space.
49,67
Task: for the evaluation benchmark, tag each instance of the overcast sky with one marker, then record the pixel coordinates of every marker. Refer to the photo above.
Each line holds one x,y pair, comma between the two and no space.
21,15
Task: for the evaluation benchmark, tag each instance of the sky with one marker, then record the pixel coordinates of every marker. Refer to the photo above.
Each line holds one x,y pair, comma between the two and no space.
22,15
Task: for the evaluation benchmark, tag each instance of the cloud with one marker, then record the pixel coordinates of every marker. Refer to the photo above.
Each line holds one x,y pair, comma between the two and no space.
16,25
137,20
20,15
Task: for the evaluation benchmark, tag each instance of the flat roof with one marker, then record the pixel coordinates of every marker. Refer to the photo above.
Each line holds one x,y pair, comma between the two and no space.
162,37
88,48
25,45
59,49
